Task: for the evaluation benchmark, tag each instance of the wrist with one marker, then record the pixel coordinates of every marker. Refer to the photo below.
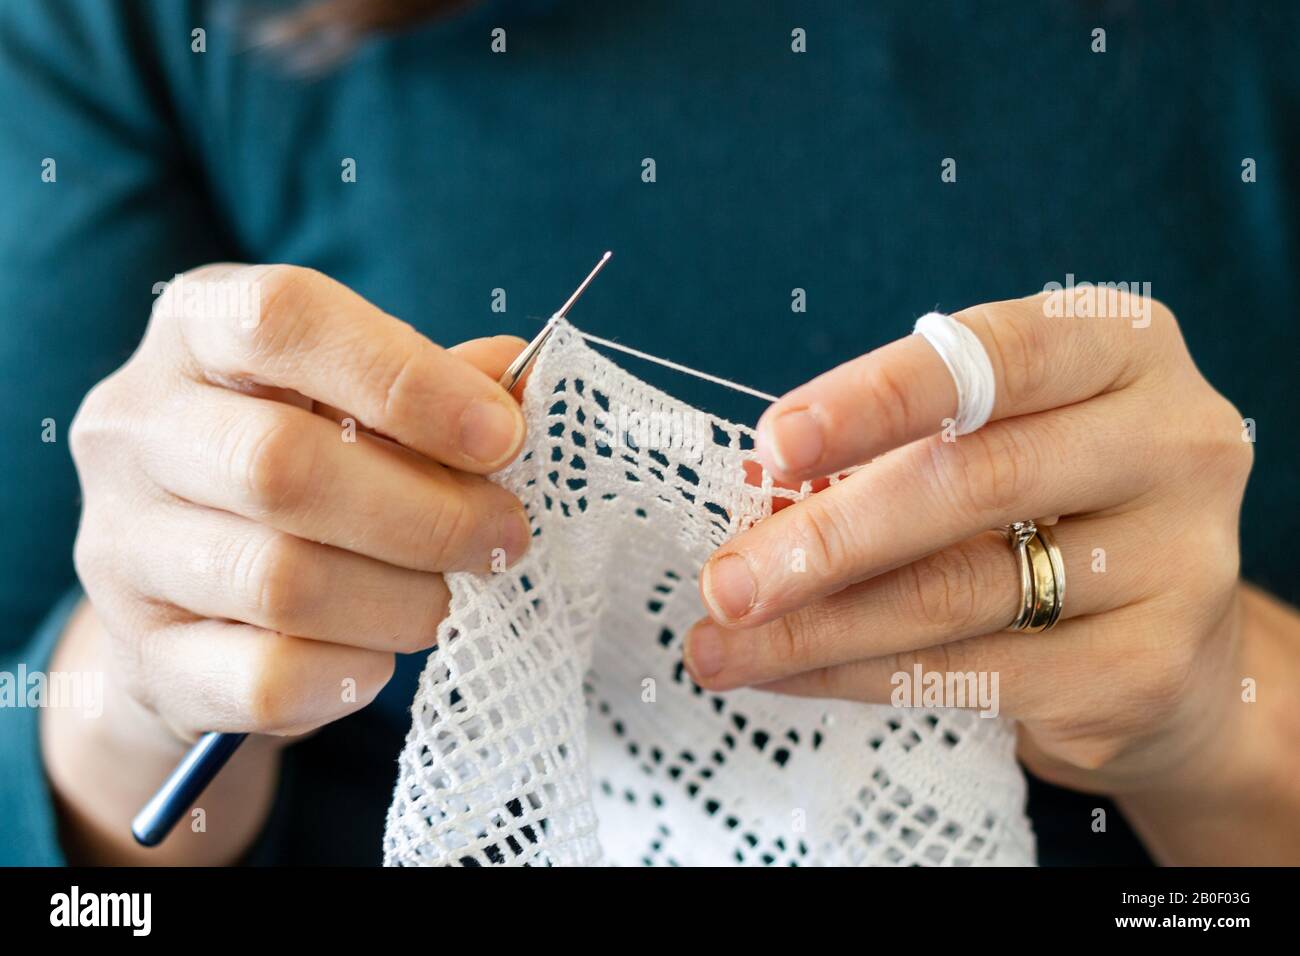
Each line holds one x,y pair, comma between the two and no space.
102,770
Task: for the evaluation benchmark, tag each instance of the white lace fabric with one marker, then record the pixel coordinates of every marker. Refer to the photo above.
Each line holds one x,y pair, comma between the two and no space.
555,723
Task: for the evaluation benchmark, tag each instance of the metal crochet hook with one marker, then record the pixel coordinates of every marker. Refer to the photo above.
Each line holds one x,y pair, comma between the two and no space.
525,358
205,759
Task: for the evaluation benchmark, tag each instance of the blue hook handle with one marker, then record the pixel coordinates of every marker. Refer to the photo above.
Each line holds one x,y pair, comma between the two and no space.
183,786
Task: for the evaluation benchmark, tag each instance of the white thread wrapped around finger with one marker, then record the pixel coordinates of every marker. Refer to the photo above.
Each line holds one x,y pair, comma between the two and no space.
967,360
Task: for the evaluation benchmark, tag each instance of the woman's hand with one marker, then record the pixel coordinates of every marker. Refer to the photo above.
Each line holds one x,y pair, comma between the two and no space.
1103,421
273,486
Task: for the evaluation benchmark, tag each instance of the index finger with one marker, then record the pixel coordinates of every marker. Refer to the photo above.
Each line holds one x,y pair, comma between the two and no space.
295,328
903,391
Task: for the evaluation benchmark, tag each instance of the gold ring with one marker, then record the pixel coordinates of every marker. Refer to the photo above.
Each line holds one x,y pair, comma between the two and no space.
1042,577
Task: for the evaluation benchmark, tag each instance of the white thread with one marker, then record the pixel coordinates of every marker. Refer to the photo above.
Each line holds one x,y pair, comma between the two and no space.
968,362
678,368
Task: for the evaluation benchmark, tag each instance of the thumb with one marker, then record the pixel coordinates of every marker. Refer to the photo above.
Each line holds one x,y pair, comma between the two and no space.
492,355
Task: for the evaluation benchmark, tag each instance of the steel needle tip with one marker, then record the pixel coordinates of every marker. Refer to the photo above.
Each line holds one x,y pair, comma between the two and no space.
515,372
582,287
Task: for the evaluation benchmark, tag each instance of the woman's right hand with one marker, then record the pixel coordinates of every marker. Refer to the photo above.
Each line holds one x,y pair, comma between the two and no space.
273,486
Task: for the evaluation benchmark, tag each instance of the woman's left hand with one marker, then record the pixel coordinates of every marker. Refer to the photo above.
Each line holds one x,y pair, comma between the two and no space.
1105,422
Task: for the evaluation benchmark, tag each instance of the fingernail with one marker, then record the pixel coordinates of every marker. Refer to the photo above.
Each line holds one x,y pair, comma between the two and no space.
489,432
704,650
794,441
515,535
729,586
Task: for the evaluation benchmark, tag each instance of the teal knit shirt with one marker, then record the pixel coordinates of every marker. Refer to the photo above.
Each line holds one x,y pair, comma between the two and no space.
774,171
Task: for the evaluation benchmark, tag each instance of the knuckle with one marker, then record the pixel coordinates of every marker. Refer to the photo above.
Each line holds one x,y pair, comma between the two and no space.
285,297
423,634
86,553
445,535
275,700
1156,687
936,659
1171,676
1022,346
169,303
791,638
96,552
266,713
1235,455
271,696
98,421
137,661
130,671
817,529
270,464
81,431
271,572
1241,461
825,681
1090,752
371,670
891,401
940,590
1214,442
1211,563
1161,315
1148,690
1017,341
380,668
992,471
385,381
415,641
1153,674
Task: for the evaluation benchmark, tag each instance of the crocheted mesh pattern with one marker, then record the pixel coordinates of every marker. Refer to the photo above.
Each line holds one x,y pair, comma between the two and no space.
555,723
